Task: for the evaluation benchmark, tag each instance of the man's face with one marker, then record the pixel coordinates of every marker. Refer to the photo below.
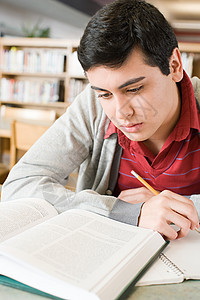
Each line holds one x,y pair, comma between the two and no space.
137,98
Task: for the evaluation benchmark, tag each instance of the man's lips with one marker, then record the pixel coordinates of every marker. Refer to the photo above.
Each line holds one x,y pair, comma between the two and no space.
131,127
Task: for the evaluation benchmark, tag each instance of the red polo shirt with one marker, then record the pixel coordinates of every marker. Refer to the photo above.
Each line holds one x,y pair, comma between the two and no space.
177,166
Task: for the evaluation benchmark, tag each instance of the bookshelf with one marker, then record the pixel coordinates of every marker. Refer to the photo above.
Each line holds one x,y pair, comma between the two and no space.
191,57
39,73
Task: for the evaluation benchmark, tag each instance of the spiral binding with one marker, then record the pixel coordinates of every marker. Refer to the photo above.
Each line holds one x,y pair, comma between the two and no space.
170,264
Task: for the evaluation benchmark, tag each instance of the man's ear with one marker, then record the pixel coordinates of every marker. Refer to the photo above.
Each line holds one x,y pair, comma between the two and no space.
175,64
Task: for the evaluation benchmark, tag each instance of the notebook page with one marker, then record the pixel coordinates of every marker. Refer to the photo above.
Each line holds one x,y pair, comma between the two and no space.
182,253
185,254
161,272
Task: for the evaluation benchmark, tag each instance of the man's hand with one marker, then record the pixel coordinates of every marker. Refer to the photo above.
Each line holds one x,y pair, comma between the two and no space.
135,195
160,211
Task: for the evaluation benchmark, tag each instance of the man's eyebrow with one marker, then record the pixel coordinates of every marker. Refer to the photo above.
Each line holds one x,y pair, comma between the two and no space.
131,81
98,89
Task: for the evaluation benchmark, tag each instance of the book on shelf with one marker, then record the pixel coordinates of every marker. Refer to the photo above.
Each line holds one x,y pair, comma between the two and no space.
76,86
31,91
73,255
33,60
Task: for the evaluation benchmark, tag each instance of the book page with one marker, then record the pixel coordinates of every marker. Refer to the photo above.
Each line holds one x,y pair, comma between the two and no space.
19,215
76,247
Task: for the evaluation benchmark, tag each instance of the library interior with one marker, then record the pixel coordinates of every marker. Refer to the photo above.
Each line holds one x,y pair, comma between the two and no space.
40,76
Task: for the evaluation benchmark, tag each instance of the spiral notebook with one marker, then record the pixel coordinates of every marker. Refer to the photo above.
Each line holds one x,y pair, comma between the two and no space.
178,262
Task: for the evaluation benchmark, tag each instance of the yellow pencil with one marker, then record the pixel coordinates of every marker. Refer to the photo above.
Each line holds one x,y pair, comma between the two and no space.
149,187
144,183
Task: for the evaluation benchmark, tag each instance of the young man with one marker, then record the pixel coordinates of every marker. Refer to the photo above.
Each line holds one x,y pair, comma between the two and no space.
138,113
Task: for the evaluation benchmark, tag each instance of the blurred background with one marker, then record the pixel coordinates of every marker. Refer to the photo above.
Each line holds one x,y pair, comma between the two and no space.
67,18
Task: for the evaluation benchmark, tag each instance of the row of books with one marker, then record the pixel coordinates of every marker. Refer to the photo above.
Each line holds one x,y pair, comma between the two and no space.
76,86
31,91
33,60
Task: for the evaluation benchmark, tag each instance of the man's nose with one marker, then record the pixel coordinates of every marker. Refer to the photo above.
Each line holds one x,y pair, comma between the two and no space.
124,109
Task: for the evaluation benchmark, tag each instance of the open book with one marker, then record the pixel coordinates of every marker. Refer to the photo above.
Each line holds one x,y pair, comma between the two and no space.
73,255
178,262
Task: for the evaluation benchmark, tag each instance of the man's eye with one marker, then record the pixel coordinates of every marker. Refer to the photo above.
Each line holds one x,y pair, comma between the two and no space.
134,90
105,96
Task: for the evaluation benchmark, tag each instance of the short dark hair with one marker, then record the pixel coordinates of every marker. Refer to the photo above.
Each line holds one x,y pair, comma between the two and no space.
114,31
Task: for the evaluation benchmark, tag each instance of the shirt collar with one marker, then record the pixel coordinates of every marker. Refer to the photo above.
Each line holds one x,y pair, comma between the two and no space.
189,117
111,129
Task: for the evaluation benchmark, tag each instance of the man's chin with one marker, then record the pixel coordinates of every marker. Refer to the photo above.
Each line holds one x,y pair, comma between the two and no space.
135,137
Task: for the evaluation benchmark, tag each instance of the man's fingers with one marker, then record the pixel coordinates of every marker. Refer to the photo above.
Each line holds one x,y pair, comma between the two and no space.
183,223
188,212
159,225
168,232
166,208
183,206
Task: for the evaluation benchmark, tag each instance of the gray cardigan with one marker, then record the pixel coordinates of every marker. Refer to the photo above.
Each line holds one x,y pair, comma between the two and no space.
76,139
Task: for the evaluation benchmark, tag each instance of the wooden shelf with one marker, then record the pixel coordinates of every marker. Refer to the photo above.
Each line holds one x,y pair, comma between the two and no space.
39,42
29,74
35,70
189,47
33,55
77,77
49,104
191,60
